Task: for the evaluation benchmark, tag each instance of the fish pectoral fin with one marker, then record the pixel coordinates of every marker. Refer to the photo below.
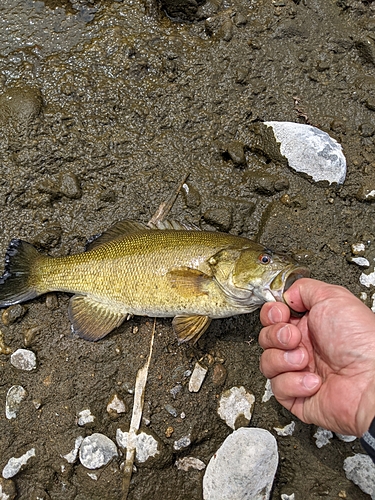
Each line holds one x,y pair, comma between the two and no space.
190,328
189,282
116,231
91,319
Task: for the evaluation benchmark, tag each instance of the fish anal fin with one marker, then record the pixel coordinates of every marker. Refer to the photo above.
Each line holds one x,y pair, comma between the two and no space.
116,231
189,282
91,319
190,328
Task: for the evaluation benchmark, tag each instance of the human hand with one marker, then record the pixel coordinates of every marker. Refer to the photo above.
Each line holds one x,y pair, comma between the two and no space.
321,366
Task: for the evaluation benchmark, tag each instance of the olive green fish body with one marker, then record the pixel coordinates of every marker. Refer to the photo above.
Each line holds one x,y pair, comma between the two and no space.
191,275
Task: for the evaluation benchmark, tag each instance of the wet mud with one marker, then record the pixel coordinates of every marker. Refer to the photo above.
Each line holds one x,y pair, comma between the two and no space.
104,107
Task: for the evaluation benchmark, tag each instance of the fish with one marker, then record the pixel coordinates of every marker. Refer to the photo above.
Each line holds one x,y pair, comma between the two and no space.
170,269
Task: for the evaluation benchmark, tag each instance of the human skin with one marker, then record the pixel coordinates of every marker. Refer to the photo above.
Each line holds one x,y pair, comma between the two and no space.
322,365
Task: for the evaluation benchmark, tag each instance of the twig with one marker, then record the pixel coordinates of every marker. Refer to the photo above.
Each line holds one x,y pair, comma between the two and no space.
139,396
163,210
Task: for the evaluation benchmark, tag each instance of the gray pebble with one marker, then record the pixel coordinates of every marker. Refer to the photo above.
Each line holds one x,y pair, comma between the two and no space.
69,185
182,443
23,359
172,411
237,153
15,396
96,450
14,465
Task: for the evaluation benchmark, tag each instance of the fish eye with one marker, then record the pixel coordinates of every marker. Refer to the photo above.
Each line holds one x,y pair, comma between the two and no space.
264,258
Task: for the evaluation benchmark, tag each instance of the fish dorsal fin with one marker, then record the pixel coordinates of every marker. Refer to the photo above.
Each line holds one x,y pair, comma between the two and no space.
91,319
190,328
118,230
189,282
173,224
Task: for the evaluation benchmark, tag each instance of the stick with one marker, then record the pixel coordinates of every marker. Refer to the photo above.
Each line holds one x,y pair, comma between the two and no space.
139,396
164,209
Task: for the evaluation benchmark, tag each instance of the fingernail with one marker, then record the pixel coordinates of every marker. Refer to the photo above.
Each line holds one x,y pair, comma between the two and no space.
294,357
275,315
310,381
284,334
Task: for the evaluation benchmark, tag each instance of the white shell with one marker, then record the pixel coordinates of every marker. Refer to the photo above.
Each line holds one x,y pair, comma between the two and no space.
311,151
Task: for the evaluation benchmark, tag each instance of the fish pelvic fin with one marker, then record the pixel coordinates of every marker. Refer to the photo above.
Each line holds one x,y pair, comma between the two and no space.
92,320
190,328
18,283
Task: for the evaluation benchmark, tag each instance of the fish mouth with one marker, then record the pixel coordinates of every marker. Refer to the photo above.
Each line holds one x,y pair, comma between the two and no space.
285,280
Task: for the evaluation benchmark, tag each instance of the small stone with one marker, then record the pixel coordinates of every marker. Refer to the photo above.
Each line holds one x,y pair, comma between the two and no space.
288,497
310,150
85,417
236,406
360,261
23,359
281,184
7,489
97,450
71,457
197,377
219,374
4,349
322,437
287,430
367,129
361,470
358,248
367,280
345,438
69,185
13,314
370,104
191,195
187,463
182,443
14,398
29,335
172,411
243,467
268,392
51,301
169,431
14,465
237,154
175,390
116,406
146,445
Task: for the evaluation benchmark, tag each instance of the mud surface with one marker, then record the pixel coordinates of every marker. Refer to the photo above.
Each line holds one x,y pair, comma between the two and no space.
104,107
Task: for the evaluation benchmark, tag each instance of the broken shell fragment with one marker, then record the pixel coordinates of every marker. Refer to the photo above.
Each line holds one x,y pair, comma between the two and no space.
311,151
197,377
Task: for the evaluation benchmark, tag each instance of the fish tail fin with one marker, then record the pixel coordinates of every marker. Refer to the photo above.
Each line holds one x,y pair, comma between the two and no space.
18,284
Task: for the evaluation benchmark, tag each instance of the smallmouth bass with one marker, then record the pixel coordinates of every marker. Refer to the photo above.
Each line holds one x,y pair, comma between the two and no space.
169,270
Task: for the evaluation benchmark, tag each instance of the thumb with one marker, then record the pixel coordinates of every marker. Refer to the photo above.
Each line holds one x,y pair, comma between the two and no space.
306,292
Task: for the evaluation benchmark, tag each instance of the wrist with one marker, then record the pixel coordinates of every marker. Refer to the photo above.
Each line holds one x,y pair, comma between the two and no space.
366,410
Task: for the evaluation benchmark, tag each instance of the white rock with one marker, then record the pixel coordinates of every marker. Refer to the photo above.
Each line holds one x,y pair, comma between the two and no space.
182,443
358,248
322,437
23,359
367,279
146,445
96,450
287,430
71,457
361,470
116,405
243,467
360,261
311,151
345,438
187,463
268,392
287,497
85,417
234,403
15,396
197,377
14,464
93,476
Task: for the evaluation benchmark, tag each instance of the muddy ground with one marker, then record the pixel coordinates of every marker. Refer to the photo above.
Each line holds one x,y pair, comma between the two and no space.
104,106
